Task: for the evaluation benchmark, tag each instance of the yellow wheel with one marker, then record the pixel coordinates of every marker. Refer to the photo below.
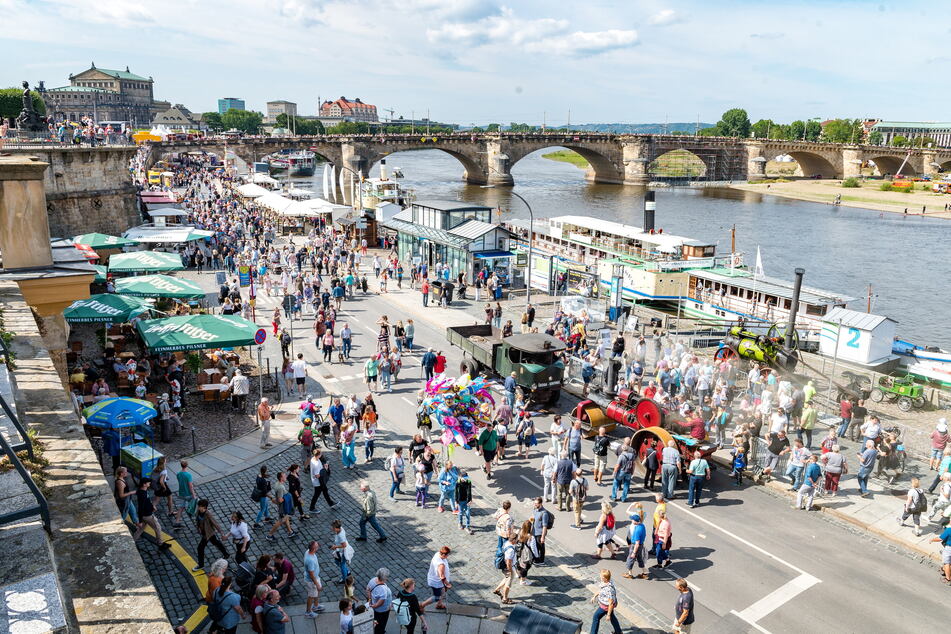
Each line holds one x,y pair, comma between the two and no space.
647,437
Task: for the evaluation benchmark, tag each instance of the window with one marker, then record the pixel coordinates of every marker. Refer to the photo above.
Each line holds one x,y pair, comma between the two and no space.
816,310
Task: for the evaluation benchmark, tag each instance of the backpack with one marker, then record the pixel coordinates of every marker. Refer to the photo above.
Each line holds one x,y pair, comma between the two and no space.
307,437
582,490
401,607
609,522
921,504
216,610
549,520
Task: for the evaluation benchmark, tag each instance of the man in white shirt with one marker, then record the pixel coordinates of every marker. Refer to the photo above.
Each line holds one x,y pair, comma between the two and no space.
300,373
557,433
240,386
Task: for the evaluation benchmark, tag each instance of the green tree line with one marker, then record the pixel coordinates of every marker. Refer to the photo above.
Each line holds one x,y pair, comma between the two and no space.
11,103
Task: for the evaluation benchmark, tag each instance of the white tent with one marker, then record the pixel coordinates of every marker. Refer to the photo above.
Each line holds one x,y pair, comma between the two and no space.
264,179
167,212
250,190
275,202
149,235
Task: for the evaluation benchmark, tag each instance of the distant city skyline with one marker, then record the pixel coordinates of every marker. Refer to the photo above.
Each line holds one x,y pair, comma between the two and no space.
479,62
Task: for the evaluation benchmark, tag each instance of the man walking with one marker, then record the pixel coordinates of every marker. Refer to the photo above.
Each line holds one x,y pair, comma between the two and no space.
510,386
265,415
867,464
601,445
208,531
623,472
299,368
573,442
683,611
671,466
579,492
542,522
319,478
312,581
368,514
699,470
810,481
564,472
637,553
429,362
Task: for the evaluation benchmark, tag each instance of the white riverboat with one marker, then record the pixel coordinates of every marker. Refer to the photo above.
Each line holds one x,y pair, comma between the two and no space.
582,255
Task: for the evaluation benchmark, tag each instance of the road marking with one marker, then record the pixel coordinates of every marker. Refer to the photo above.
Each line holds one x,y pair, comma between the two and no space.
739,539
758,627
408,401
673,577
701,536
530,481
778,597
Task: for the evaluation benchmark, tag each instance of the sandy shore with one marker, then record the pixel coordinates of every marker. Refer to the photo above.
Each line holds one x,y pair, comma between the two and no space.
866,197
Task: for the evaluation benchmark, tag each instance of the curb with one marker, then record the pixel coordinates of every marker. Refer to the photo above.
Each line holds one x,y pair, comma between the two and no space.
779,488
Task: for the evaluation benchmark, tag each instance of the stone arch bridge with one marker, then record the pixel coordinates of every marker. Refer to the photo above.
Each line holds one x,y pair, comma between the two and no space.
488,158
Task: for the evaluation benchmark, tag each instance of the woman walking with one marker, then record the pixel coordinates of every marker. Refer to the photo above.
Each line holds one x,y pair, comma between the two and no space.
369,432
348,435
604,533
262,486
526,552
240,537
834,465
606,600
662,540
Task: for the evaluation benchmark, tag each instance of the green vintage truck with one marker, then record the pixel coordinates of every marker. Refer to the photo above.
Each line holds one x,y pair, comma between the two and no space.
533,358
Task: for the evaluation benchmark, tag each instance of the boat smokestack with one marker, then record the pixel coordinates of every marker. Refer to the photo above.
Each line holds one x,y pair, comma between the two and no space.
791,326
649,207
382,169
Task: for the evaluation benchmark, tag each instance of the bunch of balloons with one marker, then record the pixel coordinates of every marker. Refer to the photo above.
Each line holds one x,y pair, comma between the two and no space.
461,407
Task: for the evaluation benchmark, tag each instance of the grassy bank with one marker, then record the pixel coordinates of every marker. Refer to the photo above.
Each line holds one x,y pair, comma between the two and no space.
867,196
568,156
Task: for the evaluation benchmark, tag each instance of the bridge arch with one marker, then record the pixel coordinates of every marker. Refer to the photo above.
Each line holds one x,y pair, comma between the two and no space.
680,163
601,168
473,172
812,164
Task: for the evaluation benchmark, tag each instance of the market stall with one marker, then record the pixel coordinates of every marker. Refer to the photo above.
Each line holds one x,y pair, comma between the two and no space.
145,262
106,308
196,332
159,286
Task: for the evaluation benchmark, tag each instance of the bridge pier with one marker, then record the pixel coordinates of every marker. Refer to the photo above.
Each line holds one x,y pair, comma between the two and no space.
755,161
635,157
851,161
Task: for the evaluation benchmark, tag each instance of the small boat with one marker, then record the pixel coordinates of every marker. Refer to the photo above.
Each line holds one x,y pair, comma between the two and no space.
397,172
295,162
927,362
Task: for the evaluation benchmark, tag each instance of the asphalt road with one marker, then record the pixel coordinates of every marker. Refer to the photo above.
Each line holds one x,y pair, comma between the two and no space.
754,563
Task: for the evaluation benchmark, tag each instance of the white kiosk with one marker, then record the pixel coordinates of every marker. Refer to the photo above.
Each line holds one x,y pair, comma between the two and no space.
856,337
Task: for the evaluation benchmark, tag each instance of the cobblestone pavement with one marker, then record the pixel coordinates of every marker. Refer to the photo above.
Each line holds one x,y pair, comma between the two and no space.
178,594
413,537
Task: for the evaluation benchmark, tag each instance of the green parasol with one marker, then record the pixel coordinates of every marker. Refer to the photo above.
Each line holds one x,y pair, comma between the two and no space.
105,307
196,332
101,273
158,286
145,261
103,241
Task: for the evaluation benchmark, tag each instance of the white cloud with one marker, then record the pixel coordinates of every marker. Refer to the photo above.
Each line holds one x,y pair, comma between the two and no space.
540,35
581,43
664,17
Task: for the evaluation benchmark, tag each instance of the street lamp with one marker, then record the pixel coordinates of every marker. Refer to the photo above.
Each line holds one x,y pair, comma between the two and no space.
531,232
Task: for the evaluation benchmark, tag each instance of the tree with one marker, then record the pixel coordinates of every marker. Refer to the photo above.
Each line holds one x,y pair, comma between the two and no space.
762,129
521,127
922,141
843,131
281,120
813,130
11,103
244,120
735,123
899,141
796,130
875,137
213,121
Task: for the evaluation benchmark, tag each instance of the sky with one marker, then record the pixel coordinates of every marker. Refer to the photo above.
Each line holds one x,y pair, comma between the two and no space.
481,61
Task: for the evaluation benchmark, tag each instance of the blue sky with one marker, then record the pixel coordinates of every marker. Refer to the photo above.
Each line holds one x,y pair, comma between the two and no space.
480,61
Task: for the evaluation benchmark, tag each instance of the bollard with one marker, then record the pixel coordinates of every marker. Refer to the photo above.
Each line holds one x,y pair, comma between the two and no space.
229,427
194,443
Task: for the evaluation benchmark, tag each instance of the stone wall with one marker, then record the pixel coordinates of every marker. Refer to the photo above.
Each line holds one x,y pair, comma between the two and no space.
104,583
88,189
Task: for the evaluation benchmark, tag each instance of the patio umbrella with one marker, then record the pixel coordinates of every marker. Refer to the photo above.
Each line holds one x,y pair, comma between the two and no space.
103,241
196,332
145,261
158,286
120,411
88,252
101,273
105,307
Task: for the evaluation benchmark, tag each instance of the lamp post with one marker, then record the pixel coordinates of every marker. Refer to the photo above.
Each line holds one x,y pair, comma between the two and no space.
531,232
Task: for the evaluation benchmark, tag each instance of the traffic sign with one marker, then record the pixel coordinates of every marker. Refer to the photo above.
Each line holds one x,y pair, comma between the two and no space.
260,336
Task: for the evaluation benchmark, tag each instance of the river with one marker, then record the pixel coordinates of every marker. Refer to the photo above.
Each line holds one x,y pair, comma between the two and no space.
904,258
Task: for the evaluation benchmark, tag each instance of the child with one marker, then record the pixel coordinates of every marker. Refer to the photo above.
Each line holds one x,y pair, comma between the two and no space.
421,483
739,463
346,616
348,588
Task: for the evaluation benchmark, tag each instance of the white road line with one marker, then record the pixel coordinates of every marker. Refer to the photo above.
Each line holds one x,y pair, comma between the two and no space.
673,577
531,482
408,401
778,597
739,539
758,627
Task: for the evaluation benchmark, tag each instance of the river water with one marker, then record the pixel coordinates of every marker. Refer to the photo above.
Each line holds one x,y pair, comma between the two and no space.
904,258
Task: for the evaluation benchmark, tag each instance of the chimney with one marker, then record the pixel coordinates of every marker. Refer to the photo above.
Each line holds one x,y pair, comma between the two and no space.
649,207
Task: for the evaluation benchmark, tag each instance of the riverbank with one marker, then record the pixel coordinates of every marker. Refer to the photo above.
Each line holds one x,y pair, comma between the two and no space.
866,197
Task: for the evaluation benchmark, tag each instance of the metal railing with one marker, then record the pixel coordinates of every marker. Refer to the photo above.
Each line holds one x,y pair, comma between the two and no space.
42,506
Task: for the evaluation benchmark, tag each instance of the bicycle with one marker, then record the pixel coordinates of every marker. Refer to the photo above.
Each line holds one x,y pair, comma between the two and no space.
323,431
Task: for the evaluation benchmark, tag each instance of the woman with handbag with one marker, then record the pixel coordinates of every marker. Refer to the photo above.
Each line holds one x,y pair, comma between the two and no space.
662,540
348,435
604,533
341,549
606,600
240,537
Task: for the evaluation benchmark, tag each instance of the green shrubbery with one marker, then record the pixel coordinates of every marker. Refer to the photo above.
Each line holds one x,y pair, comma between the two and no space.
851,182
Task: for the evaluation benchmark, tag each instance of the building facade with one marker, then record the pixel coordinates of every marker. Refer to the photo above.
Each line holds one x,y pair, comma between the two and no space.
102,94
347,110
458,234
275,108
230,103
940,132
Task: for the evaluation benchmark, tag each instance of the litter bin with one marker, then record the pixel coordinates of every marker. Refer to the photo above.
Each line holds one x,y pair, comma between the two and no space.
525,620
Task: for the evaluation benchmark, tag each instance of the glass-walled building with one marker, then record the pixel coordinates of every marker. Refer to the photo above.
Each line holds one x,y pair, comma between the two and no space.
450,232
